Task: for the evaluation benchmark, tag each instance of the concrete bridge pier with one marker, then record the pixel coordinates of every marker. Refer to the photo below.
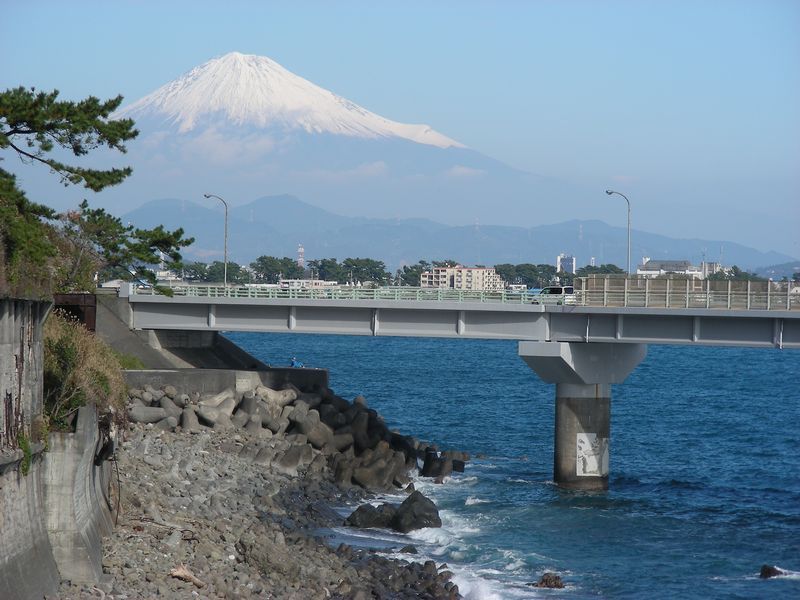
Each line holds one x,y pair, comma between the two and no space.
583,374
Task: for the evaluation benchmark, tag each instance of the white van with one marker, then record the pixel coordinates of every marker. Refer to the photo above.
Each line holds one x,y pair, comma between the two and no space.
555,294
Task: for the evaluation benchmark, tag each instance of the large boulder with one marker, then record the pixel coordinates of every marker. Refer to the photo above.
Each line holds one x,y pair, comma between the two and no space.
416,512
549,580
367,515
189,421
277,397
172,409
146,414
217,399
768,571
436,466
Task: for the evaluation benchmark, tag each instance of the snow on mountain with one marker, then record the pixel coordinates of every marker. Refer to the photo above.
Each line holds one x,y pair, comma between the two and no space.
256,91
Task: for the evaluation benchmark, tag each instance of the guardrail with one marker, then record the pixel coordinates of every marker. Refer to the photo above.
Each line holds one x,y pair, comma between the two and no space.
641,292
345,293
595,292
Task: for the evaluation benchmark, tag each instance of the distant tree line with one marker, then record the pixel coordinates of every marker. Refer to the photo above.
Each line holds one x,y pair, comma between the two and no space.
271,269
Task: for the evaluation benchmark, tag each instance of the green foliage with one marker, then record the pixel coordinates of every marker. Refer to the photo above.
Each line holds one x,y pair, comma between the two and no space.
97,241
734,274
445,263
410,274
25,247
604,269
327,269
270,269
34,123
27,454
78,368
533,276
215,273
127,361
350,270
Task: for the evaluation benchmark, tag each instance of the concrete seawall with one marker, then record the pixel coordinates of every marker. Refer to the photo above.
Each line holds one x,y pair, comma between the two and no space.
53,516
78,511
212,381
27,566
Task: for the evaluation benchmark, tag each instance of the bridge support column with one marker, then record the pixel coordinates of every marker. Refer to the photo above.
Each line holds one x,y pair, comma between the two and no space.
583,374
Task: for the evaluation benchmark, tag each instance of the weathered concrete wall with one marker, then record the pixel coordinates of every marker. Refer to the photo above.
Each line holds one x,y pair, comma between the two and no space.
27,566
211,381
77,511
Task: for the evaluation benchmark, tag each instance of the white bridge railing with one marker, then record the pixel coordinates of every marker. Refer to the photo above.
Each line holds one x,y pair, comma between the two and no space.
589,291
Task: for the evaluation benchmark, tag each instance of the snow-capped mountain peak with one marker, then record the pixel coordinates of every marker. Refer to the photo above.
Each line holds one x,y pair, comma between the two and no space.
256,91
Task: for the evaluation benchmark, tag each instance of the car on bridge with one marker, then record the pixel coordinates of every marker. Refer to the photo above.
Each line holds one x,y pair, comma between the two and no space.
555,294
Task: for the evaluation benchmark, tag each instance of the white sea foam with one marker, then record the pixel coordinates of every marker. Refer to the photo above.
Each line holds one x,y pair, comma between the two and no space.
471,500
787,574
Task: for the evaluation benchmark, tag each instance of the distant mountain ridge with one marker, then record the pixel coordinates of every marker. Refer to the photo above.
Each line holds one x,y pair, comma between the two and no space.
275,225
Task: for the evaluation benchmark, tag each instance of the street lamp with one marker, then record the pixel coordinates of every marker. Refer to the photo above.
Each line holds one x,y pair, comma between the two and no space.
225,271
609,192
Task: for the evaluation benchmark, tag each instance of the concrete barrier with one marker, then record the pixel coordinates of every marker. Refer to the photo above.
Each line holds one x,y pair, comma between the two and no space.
77,511
211,381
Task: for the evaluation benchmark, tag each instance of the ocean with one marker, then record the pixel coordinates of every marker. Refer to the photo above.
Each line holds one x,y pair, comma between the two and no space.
705,466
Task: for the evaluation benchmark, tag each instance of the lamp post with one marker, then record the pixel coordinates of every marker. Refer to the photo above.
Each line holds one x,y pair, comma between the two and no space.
609,192
225,268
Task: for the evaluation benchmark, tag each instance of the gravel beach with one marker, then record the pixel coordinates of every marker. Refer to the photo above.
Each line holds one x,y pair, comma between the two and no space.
227,511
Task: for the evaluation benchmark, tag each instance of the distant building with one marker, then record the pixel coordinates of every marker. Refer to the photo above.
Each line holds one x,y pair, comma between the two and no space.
656,268
565,264
462,278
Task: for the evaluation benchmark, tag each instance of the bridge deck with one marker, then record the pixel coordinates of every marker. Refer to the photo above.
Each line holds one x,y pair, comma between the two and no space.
442,313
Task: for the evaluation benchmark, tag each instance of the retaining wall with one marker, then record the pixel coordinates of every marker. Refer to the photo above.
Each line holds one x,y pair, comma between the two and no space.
78,511
27,565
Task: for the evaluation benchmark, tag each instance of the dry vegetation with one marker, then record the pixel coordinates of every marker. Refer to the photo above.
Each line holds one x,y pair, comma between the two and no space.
79,368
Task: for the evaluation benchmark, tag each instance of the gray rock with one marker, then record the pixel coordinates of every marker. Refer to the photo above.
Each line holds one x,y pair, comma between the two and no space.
146,414
294,458
367,515
342,441
416,512
278,397
168,405
223,423
240,418
189,421
218,399
208,414
168,424
170,391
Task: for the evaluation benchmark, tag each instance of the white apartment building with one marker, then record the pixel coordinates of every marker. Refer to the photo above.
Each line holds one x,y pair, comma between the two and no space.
565,263
462,278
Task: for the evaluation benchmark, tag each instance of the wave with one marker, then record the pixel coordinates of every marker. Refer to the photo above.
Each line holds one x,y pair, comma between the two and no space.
472,500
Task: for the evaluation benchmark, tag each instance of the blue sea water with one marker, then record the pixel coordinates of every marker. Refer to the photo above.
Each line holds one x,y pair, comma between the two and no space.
705,466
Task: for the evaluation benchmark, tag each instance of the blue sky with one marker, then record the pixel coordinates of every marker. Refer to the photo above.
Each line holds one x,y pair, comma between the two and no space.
698,102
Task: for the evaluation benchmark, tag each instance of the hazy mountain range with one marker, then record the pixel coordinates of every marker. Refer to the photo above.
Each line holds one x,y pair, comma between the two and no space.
275,225
242,126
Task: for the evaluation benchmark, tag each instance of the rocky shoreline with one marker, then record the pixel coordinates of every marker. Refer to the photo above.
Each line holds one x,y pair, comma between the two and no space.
225,496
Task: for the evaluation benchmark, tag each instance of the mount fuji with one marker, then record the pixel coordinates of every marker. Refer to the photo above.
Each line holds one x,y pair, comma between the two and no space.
256,92
243,127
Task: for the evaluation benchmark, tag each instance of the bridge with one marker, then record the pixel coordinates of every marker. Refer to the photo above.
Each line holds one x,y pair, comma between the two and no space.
584,345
